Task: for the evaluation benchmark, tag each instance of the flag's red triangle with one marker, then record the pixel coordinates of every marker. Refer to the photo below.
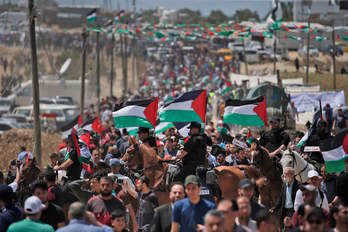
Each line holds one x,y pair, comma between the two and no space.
199,105
86,138
249,133
345,144
96,125
261,111
151,112
79,120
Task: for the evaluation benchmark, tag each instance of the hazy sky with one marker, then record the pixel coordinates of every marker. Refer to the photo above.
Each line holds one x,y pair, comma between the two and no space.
205,6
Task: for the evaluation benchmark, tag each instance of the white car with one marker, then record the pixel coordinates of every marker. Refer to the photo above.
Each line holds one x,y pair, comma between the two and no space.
313,51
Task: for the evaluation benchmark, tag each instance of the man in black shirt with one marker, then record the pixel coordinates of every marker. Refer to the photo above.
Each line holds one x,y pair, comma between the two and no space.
275,139
194,152
71,164
52,214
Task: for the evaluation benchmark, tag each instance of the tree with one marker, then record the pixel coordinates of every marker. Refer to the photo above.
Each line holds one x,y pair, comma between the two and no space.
216,17
287,10
245,15
186,15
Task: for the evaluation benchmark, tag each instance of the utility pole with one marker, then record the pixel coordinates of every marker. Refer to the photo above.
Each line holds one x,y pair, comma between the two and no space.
35,83
112,64
83,76
308,44
98,73
134,46
245,58
275,53
334,55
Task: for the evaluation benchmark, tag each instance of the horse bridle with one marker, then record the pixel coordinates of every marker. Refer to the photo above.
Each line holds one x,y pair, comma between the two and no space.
295,162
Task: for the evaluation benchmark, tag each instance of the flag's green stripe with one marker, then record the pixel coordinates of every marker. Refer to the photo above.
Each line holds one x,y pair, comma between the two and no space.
244,120
179,116
335,166
163,129
84,160
131,121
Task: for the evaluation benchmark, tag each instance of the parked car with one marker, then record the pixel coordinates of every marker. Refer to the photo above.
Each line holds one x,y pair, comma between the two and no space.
313,51
6,105
7,125
20,120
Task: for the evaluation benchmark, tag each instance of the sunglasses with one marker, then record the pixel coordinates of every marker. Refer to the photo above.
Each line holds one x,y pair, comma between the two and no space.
315,221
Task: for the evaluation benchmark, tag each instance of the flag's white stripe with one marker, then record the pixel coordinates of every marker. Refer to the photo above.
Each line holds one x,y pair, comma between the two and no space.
335,154
130,111
162,125
93,15
184,132
246,109
186,105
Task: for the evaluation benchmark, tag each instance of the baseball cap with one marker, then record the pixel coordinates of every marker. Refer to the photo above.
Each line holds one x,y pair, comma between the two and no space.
33,205
245,183
312,173
308,187
275,119
195,125
6,192
114,162
191,179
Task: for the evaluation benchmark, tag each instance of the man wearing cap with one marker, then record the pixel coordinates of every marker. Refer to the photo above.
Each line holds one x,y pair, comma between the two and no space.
194,152
314,180
32,208
9,213
276,139
246,189
188,213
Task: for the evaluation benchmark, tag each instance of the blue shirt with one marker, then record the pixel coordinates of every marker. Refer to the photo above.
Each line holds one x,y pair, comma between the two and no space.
288,201
76,225
189,215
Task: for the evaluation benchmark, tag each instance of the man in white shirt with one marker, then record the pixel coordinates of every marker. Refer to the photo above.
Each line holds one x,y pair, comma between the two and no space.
321,199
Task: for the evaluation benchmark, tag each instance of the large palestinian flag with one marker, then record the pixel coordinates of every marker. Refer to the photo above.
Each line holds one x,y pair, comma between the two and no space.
141,113
188,107
334,151
251,112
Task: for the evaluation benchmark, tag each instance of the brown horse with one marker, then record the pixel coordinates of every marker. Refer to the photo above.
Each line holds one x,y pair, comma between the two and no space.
228,180
271,182
144,158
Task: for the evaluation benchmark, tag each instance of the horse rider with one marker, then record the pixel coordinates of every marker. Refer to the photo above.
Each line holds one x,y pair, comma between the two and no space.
276,139
194,152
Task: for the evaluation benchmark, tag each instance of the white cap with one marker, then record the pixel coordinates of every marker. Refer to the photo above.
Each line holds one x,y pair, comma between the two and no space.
33,205
309,187
312,173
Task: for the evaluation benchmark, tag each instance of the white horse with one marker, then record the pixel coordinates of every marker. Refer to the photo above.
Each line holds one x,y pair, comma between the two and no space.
300,165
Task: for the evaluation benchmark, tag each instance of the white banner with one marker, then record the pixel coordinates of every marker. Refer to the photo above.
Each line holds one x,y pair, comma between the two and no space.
306,102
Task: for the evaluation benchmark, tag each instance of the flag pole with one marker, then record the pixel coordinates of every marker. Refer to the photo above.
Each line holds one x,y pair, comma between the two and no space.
83,76
334,54
98,72
112,64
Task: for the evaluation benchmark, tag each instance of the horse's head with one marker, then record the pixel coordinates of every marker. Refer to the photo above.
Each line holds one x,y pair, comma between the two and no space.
288,159
291,158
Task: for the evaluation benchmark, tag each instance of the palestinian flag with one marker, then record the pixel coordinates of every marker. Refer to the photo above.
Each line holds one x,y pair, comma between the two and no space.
251,112
162,127
188,107
92,16
141,113
310,131
80,143
183,129
120,17
227,88
335,151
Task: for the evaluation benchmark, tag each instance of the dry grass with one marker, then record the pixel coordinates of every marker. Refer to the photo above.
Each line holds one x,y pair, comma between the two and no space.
12,140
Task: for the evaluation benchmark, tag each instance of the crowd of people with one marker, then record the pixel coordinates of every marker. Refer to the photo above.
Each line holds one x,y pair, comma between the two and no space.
111,196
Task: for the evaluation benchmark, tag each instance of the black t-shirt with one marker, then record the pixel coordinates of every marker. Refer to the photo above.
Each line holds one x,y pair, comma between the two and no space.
52,215
274,138
73,172
196,148
56,195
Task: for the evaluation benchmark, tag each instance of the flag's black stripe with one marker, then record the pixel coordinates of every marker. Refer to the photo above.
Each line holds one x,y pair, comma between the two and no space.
186,97
92,11
333,143
143,103
243,102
